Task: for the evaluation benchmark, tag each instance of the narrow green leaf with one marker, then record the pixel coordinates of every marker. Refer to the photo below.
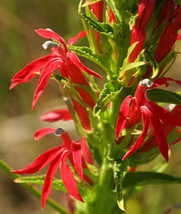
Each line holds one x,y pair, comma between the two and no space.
119,169
102,28
153,63
148,178
87,53
108,94
164,96
56,184
90,2
132,65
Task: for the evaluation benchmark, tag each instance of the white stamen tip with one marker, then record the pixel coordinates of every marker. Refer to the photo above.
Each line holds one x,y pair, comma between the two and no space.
171,107
49,44
146,82
49,29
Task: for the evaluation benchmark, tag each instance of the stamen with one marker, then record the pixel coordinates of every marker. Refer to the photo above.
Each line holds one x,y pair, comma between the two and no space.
146,82
59,131
50,44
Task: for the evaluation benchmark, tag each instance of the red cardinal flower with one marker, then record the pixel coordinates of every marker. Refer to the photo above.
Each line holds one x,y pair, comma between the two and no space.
169,35
56,115
151,141
97,9
150,113
145,11
69,66
57,157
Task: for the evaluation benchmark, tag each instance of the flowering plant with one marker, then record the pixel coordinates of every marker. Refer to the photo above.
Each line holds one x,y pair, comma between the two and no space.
122,125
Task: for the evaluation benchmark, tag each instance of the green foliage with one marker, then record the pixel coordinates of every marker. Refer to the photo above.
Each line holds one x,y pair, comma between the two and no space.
87,53
148,178
164,96
119,169
108,94
56,184
102,28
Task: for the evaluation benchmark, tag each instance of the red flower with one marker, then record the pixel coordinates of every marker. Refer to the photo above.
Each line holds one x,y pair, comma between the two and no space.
169,35
151,142
56,115
69,66
145,11
97,9
56,157
150,113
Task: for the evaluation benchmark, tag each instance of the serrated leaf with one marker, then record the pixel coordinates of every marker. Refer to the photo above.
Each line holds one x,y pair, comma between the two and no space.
164,96
153,63
148,178
102,28
107,95
116,10
56,184
90,2
87,53
132,65
119,169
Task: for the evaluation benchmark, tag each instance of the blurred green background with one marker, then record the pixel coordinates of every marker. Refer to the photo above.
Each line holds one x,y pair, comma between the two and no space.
19,45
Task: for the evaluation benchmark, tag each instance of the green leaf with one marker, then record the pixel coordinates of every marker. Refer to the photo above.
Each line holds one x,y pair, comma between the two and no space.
102,28
56,184
90,2
108,94
117,10
153,63
87,53
164,96
133,65
148,178
119,169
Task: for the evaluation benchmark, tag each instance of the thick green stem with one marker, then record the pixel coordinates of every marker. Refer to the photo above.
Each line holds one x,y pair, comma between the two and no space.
33,190
102,198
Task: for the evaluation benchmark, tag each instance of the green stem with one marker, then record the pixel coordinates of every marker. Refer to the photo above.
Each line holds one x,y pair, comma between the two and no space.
102,198
33,190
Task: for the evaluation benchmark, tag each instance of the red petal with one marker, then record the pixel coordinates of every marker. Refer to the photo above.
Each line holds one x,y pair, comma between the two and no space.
165,116
48,179
112,17
74,39
40,162
34,66
74,58
67,142
44,78
160,135
42,132
86,152
164,81
83,115
145,117
97,9
48,34
77,158
56,115
123,114
27,73
68,179
20,81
